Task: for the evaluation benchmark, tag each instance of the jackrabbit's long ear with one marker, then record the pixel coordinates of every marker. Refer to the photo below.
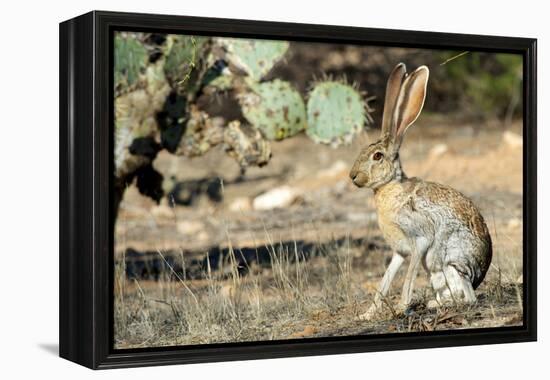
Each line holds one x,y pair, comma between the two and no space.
409,102
392,92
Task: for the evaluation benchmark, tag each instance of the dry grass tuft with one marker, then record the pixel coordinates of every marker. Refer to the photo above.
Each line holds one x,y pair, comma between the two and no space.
297,295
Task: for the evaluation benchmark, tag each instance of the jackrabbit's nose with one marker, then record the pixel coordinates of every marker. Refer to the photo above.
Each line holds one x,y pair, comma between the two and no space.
353,175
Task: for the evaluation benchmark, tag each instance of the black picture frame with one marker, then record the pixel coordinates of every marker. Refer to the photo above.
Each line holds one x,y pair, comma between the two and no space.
86,167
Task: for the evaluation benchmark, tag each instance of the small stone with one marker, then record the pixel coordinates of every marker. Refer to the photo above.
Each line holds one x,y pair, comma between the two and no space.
307,331
519,280
514,223
162,211
202,236
335,170
361,217
189,227
278,197
438,150
512,140
241,204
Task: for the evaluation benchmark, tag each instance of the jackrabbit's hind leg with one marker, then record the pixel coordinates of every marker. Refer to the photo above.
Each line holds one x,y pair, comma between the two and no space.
437,280
451,287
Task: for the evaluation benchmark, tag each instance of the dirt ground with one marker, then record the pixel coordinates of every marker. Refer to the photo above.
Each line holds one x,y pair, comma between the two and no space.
218,263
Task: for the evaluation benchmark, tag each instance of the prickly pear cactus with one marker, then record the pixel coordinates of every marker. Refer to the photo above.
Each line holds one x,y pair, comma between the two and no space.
241,141
220,84
185,62
254,57
158,80
130,62
246,145
275,108
201,134
135,115
335,113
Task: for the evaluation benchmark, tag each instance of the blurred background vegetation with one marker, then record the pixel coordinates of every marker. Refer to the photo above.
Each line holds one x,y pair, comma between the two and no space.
483,85
468,86
188,94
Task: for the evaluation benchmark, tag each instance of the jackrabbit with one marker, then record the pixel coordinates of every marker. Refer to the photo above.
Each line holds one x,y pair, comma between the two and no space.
432,224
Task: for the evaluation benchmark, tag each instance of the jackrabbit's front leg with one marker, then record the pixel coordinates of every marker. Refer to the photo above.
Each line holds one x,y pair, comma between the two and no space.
418,252
384,286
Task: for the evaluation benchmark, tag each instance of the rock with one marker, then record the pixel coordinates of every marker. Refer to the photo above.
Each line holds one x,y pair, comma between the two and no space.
307,331
202,236
519,280
361,217
341,186
512,140
241,204
335,170
438,150
278,197
162,211
514,223
190,227
467,131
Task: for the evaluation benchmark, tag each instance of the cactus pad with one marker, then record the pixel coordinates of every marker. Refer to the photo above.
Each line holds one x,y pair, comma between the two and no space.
335,113
135,111
130,61
255,57
222,83
184,63
246,145
275,108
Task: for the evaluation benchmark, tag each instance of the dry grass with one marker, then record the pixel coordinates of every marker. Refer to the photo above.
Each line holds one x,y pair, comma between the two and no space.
227,306
297,295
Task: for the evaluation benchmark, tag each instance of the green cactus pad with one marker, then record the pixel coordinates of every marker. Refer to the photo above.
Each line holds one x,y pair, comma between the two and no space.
222,83
255,57
335,113
136,110
185,62
275,108
130,61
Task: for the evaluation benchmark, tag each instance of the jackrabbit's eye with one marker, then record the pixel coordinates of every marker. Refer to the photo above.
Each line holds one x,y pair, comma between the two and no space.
377,156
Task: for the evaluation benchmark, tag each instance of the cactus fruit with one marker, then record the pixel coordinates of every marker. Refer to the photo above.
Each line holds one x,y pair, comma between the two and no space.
185,62
275,108
130,62
335,113
254,57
